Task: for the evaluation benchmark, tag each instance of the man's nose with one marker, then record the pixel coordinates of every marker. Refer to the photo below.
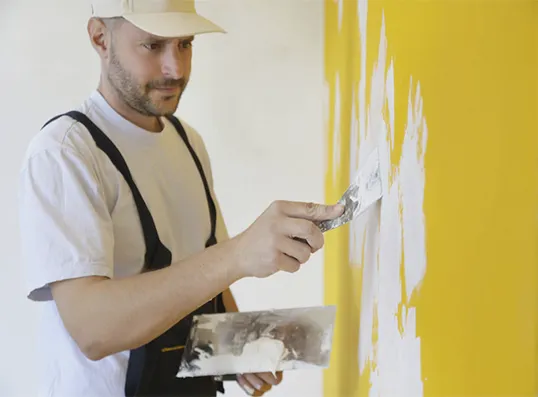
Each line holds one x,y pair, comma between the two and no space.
174,64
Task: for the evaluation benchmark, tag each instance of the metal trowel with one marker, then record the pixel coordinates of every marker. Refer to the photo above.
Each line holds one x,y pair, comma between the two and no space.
224,344
366,189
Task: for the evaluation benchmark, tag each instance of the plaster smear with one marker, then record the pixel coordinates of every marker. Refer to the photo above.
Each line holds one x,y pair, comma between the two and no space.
259,341
392,237
257,356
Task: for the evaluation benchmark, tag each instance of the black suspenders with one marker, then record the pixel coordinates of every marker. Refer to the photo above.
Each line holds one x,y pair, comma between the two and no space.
212,209
157,255
142,377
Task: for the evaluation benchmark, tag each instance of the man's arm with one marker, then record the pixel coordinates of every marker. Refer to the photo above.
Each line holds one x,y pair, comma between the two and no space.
68,243
105,316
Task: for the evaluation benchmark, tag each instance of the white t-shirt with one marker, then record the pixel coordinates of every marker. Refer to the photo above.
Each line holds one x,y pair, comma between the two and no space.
78,218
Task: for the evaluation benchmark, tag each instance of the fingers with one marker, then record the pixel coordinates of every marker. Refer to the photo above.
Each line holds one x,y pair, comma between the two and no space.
257,384
298,250
252,385
305,231
269,378
245,385
288,264
307,239
310,211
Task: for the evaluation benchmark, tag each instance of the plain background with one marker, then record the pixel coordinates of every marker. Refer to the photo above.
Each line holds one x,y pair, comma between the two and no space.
256,96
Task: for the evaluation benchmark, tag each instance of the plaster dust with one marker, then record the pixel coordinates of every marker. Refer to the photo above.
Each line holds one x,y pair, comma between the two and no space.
392,236
256,356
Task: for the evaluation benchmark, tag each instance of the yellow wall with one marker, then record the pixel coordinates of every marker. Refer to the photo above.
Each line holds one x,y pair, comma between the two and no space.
477,306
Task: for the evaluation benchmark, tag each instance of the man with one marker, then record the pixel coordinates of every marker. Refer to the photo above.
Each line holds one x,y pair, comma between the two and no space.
121,231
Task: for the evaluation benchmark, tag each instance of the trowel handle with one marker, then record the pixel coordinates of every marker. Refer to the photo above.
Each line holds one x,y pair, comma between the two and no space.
224,378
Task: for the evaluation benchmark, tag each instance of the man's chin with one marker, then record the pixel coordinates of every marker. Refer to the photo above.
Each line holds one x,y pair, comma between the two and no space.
166,108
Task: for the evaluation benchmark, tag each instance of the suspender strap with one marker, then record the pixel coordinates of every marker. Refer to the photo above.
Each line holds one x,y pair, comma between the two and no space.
210,202
212,208
157,255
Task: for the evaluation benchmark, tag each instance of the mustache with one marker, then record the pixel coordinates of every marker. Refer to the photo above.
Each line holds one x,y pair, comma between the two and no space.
168,83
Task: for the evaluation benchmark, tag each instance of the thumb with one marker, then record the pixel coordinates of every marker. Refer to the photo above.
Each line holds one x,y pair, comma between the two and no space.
321,212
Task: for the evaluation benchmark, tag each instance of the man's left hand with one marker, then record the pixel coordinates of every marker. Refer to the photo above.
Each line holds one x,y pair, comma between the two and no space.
259,383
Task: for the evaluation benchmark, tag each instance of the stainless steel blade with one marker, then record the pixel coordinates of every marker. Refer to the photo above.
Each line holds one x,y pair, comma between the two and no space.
365,190
258,341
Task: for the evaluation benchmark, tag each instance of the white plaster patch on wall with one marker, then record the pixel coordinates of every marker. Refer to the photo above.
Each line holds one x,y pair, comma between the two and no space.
353,163
412,185
394,230
340,13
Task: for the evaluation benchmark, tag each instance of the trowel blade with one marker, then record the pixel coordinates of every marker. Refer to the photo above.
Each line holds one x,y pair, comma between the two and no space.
258,341
365,190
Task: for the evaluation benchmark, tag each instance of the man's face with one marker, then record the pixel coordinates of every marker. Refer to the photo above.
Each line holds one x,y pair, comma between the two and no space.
149,73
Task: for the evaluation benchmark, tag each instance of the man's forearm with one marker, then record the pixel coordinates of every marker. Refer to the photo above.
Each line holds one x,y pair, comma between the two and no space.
105,316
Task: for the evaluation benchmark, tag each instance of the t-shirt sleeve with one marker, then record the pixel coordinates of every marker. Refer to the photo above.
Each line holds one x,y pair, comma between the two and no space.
65,226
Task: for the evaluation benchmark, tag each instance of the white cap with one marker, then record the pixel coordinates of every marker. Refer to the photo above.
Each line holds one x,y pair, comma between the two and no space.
165,18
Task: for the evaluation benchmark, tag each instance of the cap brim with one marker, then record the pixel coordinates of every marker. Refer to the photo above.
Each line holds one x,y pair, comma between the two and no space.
173,24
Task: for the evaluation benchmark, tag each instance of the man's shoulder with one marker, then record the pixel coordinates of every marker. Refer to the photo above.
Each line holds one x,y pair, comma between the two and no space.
196,140
61,133
199,146
194,136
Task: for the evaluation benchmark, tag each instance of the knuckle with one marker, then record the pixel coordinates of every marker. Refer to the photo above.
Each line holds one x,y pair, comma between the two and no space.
273,229
273,235
317,247
317,244
311,208
273,255
277,206
303,253
312,229
307,254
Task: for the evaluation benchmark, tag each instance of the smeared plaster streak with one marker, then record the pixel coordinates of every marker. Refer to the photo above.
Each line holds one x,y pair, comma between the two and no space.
340,13
412,186
390,100
396,226
257,356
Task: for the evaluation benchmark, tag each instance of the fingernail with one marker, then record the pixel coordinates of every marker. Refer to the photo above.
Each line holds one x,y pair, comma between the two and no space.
249,389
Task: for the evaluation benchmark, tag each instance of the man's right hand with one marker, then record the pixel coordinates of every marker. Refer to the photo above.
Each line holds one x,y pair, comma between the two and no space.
272,242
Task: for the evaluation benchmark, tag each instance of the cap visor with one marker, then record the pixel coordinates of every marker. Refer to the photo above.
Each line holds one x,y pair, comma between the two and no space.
173,24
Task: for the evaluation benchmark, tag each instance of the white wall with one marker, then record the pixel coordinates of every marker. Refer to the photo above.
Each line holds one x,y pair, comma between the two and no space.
261,118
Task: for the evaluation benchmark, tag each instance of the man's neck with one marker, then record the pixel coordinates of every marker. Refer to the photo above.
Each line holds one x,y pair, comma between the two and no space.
148,123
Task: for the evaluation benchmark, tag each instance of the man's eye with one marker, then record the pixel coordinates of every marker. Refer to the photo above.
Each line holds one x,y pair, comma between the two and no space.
187,44
152,46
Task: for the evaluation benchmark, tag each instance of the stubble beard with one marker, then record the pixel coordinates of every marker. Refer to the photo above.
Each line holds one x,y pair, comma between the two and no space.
137,96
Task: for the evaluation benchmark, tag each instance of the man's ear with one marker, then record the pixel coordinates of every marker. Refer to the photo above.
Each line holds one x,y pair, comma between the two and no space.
100,37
